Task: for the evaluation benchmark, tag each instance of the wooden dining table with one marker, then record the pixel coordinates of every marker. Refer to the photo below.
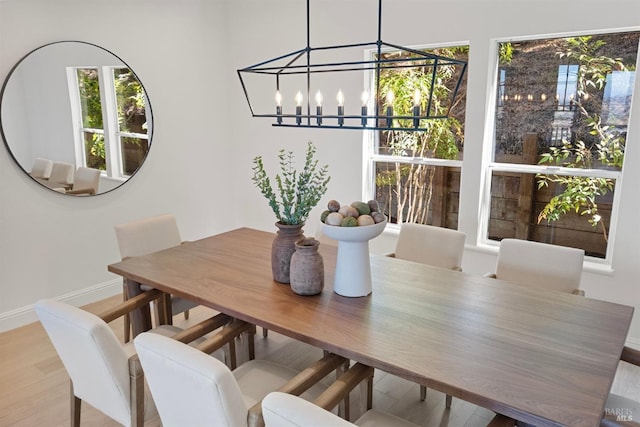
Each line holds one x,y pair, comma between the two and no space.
538,356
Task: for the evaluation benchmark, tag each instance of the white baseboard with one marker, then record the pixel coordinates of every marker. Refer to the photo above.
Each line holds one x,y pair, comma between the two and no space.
25,315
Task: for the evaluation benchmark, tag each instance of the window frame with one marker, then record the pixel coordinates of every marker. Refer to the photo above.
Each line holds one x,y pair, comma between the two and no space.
490,165
371,138
111,130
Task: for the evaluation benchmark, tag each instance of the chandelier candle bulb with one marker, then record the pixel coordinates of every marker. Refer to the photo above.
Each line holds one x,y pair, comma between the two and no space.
319,107
340,98
416,109
390,98
363,111
299,107
279,107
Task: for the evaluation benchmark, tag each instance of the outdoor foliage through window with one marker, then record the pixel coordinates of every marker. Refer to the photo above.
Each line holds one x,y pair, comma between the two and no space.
562,108
410,184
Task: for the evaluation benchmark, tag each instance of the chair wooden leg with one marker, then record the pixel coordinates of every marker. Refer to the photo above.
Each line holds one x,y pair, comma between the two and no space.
75,409
251,337
344,408
448,399
136,384
186,315
127,319
265,332
423,393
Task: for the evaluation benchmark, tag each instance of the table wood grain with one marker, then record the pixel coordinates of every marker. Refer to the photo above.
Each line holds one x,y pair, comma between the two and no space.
543,357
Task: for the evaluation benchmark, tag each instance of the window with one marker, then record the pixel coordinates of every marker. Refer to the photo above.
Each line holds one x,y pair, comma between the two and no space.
415,176
562,109
109,118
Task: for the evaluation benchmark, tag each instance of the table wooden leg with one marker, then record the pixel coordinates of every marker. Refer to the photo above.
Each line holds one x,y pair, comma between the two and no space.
140,317
164,314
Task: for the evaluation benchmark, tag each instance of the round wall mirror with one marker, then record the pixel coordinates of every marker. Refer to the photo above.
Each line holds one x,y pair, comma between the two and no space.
76,118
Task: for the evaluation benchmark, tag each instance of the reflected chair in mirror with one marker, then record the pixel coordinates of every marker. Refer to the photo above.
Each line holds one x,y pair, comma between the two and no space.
105,373
85,182
436,246
192,388
286,410
41,169
541,265
61,175
143,237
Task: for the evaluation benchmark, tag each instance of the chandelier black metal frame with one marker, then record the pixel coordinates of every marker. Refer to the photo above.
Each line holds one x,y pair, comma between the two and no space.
300,63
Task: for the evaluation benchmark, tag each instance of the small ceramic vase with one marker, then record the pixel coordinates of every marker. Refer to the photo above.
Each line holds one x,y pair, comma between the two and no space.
307,268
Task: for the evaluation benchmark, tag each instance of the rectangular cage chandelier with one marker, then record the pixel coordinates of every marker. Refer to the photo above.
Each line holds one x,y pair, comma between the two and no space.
310,71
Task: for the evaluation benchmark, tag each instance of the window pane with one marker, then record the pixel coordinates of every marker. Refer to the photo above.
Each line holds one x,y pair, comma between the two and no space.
89,88
561,102
428,194
569,92
131,102
413,192
94,150
444,139
518,210
134,151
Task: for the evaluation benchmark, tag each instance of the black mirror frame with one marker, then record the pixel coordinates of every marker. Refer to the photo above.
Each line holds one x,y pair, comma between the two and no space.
4,137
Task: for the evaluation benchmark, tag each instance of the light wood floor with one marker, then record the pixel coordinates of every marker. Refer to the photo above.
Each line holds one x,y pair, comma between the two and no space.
34,386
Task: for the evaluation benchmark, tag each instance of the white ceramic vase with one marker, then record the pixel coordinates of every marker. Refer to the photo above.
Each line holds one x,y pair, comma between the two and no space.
353,267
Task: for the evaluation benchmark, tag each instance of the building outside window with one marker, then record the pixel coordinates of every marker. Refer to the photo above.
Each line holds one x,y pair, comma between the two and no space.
109,117
562,110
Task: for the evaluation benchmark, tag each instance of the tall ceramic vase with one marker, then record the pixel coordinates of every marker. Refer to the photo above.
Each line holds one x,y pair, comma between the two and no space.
282,248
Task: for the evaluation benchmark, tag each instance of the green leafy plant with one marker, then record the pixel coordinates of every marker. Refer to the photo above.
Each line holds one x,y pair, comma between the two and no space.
409,186
579,194
298,191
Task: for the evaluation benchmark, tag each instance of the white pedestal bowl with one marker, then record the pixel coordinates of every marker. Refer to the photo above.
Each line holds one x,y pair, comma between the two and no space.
353,268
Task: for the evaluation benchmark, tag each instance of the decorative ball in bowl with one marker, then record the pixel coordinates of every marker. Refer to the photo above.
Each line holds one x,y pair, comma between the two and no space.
353,226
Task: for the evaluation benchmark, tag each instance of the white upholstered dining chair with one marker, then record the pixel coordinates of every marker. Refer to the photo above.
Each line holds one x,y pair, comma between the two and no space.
85,181
286,410
191,388
62,174
428,244
145,236
41,168
541,265
105,373
620,410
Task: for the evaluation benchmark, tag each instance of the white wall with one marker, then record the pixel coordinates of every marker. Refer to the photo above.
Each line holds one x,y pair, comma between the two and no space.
44,238
59,246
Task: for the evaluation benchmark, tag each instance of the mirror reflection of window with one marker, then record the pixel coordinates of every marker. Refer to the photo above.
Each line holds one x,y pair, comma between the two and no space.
109,116
132,119
91,110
